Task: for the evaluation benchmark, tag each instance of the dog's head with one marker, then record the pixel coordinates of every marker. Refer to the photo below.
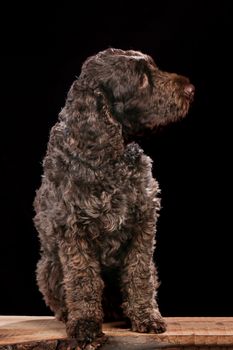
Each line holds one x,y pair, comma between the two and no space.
139,95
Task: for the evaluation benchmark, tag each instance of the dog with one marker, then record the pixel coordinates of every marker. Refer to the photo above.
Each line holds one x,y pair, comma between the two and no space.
98,203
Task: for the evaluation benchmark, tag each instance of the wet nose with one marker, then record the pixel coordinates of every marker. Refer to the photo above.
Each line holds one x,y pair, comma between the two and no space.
189,90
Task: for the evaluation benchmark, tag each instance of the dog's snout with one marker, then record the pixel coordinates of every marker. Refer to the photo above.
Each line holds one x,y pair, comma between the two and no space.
189,90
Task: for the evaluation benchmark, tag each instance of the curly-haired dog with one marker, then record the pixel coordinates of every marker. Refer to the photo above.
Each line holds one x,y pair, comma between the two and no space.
98,204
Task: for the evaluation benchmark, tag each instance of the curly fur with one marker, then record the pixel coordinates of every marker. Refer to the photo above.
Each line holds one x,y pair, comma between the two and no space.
98,204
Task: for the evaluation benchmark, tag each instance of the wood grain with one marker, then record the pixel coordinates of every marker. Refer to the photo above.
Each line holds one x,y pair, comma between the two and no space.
36,332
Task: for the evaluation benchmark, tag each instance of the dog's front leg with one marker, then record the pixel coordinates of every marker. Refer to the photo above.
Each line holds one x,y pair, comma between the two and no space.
83,291
139,284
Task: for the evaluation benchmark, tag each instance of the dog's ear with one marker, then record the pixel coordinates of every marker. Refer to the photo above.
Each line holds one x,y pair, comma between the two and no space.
89,125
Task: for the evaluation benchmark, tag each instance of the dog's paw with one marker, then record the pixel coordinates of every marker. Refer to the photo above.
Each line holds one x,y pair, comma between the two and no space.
83,332
152,324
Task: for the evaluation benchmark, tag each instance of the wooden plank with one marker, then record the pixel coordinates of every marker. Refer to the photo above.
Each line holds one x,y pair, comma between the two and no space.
36,332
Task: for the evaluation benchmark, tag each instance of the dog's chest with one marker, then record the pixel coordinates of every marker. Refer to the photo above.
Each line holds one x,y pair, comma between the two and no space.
122,204
113,207
115,224
123,188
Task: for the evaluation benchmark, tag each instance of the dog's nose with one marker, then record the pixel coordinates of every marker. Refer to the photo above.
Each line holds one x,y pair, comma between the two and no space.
189,90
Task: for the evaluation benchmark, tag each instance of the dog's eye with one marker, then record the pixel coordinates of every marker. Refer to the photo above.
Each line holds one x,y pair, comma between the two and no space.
144,81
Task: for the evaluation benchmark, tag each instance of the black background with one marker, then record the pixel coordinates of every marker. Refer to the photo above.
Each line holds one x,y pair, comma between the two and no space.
42,52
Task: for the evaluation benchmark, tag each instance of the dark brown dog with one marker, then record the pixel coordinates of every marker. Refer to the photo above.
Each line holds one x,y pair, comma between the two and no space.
98,204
